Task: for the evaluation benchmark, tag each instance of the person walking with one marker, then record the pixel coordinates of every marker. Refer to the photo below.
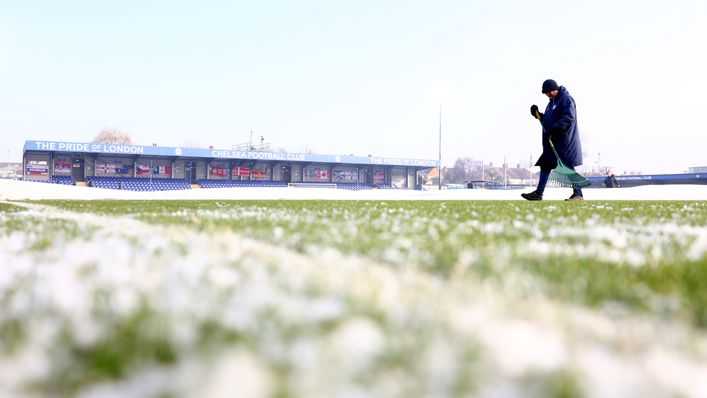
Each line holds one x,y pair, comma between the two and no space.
559,125
610,181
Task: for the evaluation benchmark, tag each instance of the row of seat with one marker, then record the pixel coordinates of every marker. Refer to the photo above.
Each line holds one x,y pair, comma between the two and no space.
138,184
275,184
353,186
387,186
241,184
63,180
163,184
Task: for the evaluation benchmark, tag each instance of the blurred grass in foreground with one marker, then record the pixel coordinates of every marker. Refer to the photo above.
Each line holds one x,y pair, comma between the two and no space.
644,255
161,294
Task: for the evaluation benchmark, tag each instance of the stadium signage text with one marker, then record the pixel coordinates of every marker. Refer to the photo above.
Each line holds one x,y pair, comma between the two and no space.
258,155
83,147
404,162
629,178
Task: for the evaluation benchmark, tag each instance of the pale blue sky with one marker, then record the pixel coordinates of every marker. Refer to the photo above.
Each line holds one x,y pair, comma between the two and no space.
364,77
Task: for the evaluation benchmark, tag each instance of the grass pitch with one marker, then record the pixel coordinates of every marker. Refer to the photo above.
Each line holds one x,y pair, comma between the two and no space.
339,298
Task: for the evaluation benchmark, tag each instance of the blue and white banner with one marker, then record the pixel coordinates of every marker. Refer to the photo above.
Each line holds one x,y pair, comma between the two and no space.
118,149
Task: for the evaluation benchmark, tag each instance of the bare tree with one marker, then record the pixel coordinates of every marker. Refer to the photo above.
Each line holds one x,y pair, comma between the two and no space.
111,135
464,169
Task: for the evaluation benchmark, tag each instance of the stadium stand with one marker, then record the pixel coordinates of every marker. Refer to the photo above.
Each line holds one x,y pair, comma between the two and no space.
153,167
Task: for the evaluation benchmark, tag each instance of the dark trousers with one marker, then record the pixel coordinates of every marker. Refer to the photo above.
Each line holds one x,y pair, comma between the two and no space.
545,175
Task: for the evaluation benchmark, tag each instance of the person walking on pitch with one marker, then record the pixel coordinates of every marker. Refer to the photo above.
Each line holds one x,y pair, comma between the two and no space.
610,181
559,124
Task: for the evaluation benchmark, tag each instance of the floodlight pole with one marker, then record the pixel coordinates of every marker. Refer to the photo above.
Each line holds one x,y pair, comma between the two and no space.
439,180
599,162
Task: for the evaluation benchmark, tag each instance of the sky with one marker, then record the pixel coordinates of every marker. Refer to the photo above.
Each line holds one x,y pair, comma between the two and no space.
363,77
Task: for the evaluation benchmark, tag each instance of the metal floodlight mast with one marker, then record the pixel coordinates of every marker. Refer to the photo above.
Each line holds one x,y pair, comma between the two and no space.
439,180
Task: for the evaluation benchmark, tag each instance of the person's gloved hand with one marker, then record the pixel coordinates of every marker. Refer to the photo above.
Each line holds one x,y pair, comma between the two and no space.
534,111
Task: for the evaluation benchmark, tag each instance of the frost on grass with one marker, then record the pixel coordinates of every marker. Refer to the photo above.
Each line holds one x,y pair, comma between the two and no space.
586,253
141,306
340,299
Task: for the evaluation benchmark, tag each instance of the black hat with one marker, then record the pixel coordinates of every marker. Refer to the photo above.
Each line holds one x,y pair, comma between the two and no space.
550,85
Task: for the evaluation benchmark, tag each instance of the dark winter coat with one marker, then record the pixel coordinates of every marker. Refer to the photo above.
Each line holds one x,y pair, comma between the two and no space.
560,124
610,182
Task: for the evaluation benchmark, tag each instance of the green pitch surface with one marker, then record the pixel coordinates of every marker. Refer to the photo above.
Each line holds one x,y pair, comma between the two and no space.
353,298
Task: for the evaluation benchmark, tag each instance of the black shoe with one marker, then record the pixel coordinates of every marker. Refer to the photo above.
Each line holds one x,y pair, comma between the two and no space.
532,196
575,197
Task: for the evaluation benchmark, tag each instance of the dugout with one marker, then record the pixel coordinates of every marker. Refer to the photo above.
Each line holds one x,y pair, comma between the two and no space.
49,160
